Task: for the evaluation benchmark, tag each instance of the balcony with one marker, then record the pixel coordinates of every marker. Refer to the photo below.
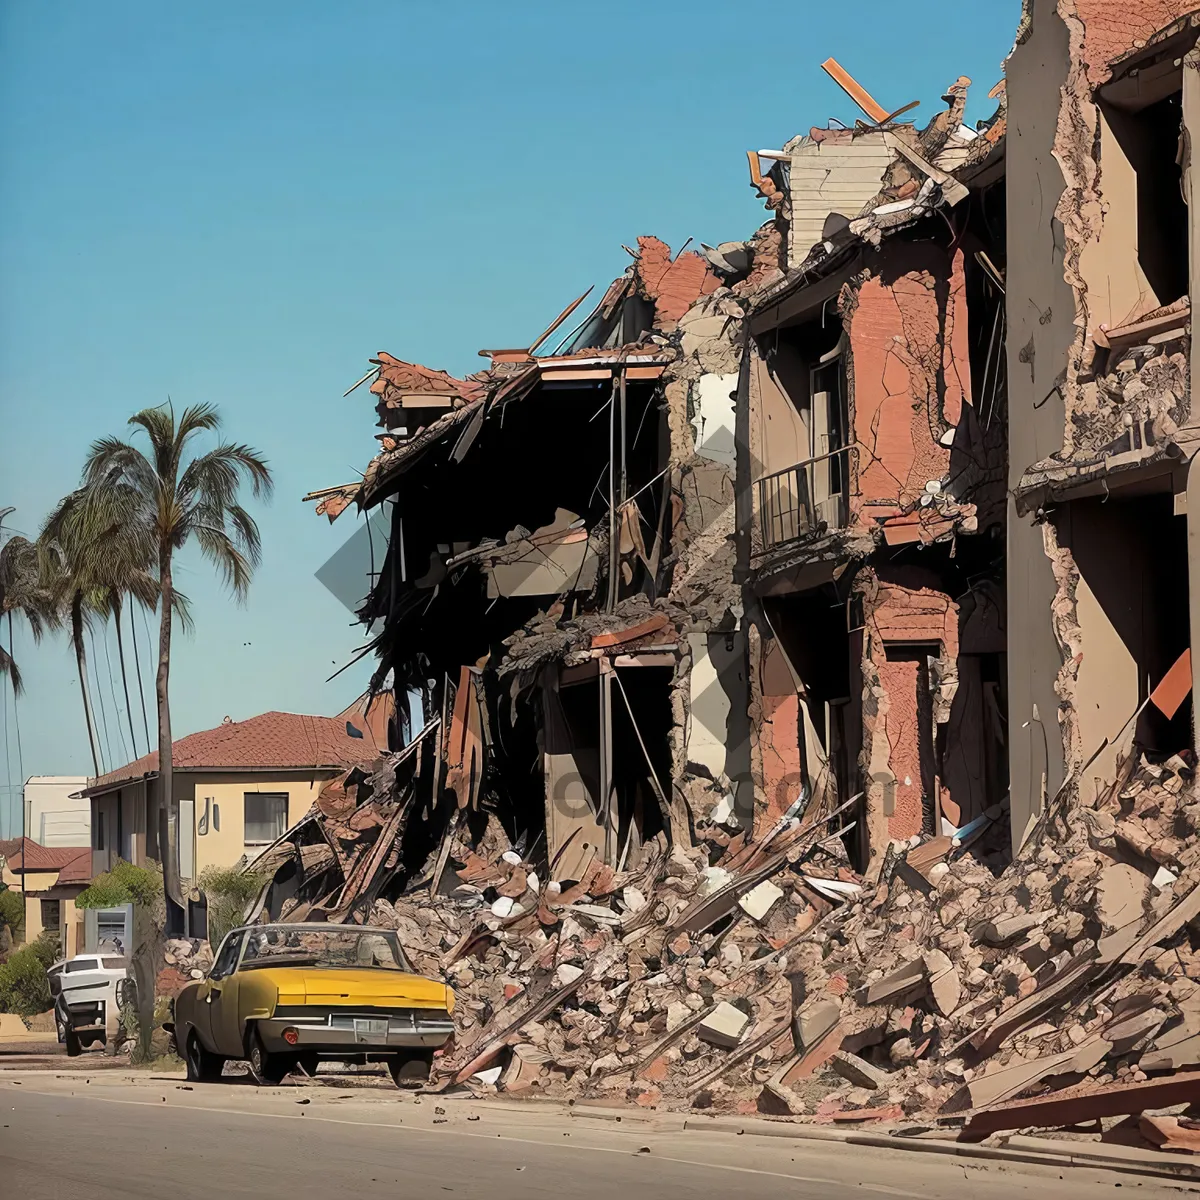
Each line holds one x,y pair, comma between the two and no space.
805,500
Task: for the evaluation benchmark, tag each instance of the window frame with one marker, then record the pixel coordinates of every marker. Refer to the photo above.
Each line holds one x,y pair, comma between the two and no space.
58,910
284,797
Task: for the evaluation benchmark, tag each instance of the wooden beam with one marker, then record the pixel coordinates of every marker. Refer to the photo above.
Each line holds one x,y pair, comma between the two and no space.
1078,1106
855,90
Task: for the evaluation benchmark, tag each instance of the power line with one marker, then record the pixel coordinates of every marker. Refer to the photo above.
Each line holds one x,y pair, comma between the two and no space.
112,691
137,659
4,721
151,661
99,701
17,725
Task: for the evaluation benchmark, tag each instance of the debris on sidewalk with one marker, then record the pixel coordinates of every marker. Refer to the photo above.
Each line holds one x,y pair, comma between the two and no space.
950,998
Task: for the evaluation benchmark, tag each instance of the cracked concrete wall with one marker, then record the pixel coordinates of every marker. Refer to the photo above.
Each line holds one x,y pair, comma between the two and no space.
1041,332
1073,193
909,373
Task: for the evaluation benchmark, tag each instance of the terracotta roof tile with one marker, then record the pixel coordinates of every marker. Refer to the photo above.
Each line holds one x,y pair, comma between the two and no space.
289,741
24,854
78,870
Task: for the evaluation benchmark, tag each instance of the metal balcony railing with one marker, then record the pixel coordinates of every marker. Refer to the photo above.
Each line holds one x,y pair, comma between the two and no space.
794,503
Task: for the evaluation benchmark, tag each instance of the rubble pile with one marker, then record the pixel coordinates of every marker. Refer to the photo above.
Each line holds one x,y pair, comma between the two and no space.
764,975
184,959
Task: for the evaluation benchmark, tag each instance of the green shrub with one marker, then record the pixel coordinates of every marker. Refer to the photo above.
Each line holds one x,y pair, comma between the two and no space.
24,988
228,891
124,884
12,911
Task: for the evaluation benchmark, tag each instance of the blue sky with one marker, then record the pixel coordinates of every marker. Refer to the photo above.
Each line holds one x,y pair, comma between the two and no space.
240,203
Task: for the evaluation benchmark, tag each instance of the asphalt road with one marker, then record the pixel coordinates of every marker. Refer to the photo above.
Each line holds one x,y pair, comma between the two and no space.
63,1137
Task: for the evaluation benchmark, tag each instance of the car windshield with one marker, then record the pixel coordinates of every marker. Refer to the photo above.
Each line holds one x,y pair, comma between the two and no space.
338,946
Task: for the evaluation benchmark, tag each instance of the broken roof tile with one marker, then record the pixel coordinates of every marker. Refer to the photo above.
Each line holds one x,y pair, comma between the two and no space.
397,378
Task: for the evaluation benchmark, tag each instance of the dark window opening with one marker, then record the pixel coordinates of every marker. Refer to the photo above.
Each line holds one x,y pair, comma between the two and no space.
818,633
607,740
1151,140
98,839
51,914
1132,553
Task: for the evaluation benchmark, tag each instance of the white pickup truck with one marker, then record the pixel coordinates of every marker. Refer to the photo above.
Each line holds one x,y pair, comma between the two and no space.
87,991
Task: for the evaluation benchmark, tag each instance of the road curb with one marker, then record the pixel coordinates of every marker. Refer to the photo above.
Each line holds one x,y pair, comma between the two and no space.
1041,1152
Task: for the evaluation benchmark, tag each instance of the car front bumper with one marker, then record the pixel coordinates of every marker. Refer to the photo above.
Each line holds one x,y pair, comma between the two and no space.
357,1033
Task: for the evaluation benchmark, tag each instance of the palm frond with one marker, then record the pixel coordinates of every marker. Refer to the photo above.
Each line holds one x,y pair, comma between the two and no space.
8,666
220,549
215,476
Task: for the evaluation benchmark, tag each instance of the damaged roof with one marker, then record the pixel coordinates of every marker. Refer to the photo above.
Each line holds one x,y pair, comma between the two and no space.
666,285
926,170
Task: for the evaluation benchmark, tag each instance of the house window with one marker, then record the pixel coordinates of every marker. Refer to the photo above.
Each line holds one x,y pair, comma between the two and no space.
266,817
99,829
51,912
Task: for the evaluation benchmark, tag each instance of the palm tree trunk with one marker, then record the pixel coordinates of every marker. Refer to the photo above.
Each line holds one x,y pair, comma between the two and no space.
137,660
116,604
80,662
169,811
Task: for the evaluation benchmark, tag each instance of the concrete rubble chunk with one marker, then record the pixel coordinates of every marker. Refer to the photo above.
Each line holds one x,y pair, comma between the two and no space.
858,1071
905,979
943,981
1120,895
815,1020
724,1026
759,901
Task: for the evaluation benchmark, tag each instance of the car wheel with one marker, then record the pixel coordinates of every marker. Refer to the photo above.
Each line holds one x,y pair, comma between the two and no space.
202,1067
265,1068
410,1070
73,1044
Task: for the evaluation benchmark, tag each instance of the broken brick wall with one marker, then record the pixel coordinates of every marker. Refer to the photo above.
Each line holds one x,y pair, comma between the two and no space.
777,757
1110,28
910,661
910,374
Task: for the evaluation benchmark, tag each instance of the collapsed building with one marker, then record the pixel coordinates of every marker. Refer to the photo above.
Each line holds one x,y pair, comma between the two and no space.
797,648
559,580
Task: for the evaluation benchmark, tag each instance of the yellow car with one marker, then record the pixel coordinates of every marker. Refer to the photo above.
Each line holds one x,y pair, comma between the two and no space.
282,996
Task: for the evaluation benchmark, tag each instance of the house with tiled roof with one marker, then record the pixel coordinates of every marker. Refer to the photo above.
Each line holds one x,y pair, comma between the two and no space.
239,786
49,877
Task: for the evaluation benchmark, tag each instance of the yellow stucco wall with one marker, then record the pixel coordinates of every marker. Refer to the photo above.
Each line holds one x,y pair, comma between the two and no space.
223,847
41,886
224,790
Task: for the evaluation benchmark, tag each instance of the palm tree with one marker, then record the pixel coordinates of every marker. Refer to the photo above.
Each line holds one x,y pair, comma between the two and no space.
23,591
161,502
92,559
